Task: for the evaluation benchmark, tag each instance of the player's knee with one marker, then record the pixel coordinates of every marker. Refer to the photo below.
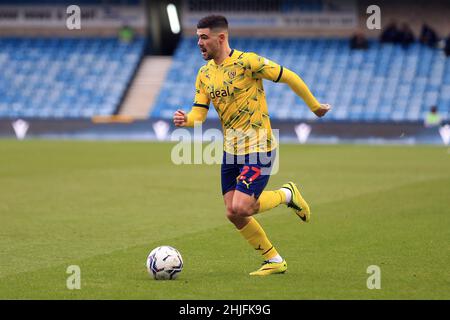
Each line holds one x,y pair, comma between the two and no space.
233,217
230,213
236,212
242,210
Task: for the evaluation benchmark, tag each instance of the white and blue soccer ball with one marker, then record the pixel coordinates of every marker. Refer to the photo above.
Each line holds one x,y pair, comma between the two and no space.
164,263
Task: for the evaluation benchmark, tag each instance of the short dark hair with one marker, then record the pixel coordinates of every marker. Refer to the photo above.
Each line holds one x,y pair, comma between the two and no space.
213,22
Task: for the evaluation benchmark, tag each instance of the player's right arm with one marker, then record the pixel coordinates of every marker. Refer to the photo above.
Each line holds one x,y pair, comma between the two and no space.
199,109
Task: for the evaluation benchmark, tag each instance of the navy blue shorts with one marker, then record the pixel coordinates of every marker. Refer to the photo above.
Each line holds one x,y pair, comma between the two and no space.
247,173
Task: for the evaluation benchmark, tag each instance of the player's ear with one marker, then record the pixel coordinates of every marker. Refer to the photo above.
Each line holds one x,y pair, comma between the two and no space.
222,36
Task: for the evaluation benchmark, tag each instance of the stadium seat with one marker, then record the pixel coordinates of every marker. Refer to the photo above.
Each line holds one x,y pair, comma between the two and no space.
65,77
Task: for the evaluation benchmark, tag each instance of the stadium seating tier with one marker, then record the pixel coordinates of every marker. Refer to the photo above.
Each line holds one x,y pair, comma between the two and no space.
383,83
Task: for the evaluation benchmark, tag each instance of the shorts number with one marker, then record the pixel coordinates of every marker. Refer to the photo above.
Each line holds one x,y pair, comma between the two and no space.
246,169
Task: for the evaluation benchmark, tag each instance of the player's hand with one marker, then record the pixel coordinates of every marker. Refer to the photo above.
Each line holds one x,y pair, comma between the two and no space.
324,108
179,118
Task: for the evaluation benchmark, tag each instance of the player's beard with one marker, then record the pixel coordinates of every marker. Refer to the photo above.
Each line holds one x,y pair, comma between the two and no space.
209,56
210,53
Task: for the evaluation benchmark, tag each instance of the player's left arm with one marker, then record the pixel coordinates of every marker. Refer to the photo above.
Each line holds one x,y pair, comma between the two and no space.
301,89
199,110
266,69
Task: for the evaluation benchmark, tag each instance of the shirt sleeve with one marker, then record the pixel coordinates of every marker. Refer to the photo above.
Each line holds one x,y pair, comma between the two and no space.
263,68
200,106
197,114
300,88
201,98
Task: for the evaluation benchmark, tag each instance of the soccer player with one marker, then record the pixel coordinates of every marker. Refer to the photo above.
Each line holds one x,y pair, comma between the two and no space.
233,81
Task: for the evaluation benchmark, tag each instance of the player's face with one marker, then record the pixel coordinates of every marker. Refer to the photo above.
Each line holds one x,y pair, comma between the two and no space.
208,42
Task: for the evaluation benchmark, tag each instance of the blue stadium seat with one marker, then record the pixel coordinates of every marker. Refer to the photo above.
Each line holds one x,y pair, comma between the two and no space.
59,77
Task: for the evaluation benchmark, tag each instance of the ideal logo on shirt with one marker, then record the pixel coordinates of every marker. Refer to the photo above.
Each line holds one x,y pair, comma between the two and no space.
220,93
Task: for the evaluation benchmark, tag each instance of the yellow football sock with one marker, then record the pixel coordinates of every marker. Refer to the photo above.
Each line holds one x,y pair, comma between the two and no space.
271,199
256,237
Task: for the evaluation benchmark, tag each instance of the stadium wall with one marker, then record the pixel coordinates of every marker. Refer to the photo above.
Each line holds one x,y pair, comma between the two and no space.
126,128
336,24
52,20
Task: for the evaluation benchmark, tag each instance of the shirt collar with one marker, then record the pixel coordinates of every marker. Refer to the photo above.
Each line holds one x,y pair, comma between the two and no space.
226,59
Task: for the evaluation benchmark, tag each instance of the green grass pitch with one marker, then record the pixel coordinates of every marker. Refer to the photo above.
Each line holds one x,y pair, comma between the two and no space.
104,205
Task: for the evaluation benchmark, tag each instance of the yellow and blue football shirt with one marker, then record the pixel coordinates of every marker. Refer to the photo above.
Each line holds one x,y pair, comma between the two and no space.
235,87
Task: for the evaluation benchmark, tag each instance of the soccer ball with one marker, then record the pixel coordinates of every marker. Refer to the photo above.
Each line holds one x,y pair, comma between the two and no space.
164,263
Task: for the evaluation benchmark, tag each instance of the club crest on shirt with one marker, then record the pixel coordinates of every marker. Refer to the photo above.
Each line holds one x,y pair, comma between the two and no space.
232,74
